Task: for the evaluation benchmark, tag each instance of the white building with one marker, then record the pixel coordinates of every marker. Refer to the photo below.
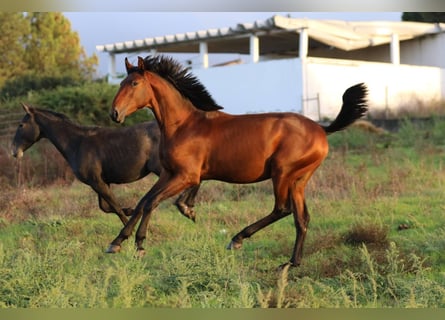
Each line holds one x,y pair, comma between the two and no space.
303,65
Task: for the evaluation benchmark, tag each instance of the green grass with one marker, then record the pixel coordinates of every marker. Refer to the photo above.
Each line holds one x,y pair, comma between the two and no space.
376,239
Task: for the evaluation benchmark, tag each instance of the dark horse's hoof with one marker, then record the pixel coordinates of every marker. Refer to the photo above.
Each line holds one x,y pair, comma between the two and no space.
286,266
140,253
113,248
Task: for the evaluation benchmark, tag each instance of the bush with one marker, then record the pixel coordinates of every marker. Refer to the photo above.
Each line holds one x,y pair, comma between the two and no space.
20,86
86,104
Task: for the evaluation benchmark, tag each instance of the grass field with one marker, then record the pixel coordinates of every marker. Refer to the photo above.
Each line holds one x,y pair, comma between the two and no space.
376,238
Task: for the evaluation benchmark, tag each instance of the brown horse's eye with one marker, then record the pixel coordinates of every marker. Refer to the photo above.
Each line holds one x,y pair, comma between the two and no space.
134,83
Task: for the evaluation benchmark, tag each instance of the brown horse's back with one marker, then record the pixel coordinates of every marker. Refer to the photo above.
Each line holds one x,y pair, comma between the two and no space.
250,148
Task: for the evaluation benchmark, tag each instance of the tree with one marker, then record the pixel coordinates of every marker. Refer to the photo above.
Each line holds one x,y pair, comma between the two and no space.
434,17
14,29
41,44
55,48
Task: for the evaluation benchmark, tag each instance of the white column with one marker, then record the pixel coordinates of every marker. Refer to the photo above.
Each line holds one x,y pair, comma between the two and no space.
303,52
304,43
254,47
395,49
111,67
203,52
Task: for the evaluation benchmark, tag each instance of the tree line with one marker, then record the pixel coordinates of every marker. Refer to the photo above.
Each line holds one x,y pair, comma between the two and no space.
40,50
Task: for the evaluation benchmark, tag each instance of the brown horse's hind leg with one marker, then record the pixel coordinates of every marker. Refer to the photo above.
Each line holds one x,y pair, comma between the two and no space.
282,209
301,220
301,216
237,240
186,202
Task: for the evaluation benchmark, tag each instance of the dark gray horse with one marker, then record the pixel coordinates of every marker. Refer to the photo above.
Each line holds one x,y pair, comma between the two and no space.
100,156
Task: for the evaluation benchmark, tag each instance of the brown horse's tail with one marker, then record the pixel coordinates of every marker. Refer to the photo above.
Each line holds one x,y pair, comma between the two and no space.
354,107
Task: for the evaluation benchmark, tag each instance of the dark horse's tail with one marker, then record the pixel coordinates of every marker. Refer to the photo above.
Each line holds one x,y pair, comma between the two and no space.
354,107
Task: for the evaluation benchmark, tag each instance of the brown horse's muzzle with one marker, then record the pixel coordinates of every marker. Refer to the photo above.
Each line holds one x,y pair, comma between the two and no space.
116,116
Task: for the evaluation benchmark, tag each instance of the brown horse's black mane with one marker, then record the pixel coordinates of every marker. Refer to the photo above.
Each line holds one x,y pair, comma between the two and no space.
180,77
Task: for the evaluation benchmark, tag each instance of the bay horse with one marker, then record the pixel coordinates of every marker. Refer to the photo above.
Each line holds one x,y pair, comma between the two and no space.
200,142
100,156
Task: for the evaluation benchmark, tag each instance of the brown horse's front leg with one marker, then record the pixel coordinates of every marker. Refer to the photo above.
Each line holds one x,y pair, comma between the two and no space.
165,187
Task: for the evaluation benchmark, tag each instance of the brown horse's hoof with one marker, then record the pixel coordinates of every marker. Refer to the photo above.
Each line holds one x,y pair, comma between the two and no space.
113,248
186,211
234,245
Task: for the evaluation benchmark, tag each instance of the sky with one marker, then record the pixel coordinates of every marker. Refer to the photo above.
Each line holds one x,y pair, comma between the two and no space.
97,28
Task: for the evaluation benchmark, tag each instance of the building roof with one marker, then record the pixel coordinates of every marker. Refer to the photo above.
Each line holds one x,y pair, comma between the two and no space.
279,34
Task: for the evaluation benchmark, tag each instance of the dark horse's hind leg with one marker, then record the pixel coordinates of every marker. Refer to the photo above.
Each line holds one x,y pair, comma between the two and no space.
186,202
108,202
106,207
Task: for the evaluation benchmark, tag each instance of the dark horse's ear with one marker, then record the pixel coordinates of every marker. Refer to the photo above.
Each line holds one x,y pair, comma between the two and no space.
128,65
27,108
141,65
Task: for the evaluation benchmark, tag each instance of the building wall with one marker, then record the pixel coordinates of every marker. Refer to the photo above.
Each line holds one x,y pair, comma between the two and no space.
391,87
255,87
426,51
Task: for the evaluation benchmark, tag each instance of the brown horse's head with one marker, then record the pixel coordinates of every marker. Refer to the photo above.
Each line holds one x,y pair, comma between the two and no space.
133,93
136,90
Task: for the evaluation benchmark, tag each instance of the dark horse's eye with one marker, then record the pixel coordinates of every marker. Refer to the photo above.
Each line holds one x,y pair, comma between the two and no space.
134,83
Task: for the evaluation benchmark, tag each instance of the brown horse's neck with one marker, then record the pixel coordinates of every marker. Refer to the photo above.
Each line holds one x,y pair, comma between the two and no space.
169,107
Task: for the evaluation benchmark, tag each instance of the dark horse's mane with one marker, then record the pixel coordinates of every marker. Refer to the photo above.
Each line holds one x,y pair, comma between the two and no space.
55,114
64,118
181,78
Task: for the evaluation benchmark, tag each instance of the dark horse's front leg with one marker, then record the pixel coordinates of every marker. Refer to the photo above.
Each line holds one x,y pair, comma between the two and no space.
164,188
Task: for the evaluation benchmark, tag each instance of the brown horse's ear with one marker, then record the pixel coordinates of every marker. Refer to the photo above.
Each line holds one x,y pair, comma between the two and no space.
27,108
128,65
141,65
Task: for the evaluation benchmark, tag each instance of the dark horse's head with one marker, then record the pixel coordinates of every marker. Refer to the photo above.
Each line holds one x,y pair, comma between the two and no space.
136,91
27,133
